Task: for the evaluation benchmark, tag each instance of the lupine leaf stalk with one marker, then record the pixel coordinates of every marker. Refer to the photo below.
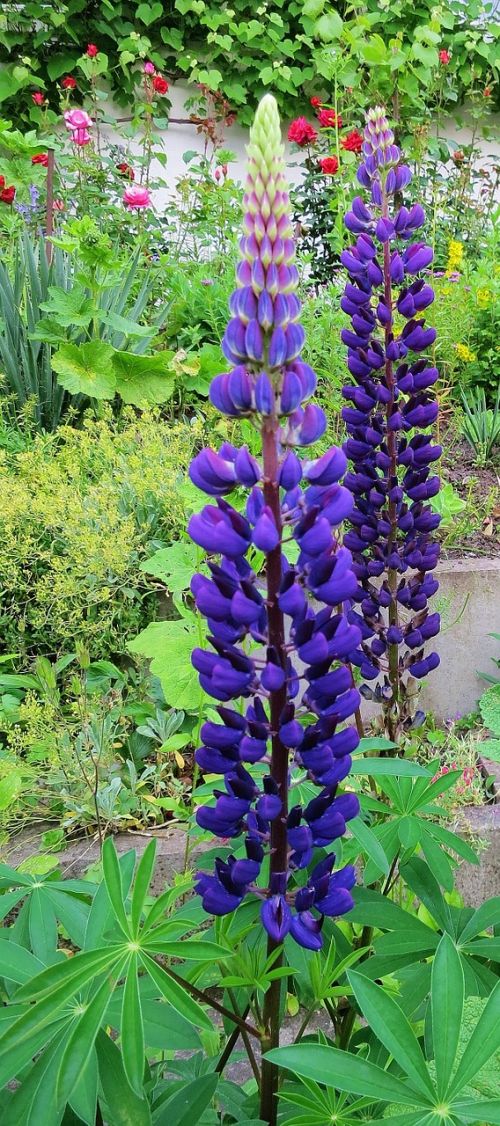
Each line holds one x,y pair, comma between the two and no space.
280,643
392,407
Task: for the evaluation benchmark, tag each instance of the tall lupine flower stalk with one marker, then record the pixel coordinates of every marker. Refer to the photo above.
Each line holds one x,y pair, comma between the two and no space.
389,445
296,689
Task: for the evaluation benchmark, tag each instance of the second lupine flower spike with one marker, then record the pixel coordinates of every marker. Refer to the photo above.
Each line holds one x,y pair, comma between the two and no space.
296,689
391,408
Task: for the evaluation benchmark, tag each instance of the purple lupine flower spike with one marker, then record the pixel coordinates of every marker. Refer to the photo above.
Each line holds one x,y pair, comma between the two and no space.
391,408
269,382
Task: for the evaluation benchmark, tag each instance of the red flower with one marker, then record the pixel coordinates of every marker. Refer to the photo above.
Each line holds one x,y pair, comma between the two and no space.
92,50
302,132
352,142
126,170
2,181
38,98
329,165
487,92
458,156
160,84
68,83
444,58
316,102
7,194
40,158
58,205
328,119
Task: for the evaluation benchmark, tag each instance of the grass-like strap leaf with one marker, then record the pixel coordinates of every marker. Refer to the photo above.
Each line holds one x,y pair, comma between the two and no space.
186,1107
485,1040
141,884
447,1002
34,1100
132,1029
125,1107
390,1025
82,1038
178,997
344,1071
113,881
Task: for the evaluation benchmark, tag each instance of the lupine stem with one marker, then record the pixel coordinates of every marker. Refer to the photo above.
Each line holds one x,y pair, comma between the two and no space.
279,763
392,710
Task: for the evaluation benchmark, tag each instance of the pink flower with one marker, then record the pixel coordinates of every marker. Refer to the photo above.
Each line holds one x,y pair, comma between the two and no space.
92,50
444,58
149,68
78,122
137,197
38,98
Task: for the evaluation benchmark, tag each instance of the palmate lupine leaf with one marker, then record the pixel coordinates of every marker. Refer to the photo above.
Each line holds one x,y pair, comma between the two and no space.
417,1089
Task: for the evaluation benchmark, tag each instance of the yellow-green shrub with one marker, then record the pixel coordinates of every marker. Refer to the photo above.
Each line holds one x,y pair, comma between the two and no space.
79,512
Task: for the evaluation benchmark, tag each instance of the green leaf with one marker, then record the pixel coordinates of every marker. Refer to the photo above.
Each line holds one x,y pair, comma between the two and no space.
187,1106
132,1029
126,1108
329,27
141,883
421,880
113,881
479,1110
485,1040
391,1027
143,380
447,1002
369,843
16,963
178,997
371,744
489,706
344,1071
487,915
398,767
86,369
168,645
437,860
81,1041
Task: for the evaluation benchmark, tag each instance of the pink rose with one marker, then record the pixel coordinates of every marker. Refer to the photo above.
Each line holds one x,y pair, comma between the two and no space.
149,68
78,121
137,197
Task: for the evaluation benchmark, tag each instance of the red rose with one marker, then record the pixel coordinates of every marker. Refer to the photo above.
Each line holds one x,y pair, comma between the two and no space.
329,165
352,142
2,181
444,57
68,83
315,102
126,170
487,92
40,158
328,119
7,195
38,98
160,84
302,132
92,50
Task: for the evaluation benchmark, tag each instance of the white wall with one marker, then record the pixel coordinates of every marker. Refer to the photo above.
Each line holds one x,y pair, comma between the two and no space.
178,139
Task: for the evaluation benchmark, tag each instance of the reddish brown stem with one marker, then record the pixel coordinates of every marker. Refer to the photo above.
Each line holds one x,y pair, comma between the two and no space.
279,765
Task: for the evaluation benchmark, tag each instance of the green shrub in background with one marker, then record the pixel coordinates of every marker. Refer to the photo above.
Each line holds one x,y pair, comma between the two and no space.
79,513
240,49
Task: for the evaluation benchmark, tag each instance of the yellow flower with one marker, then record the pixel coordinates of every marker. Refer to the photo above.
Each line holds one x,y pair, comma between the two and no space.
455,256
464,354
483,298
